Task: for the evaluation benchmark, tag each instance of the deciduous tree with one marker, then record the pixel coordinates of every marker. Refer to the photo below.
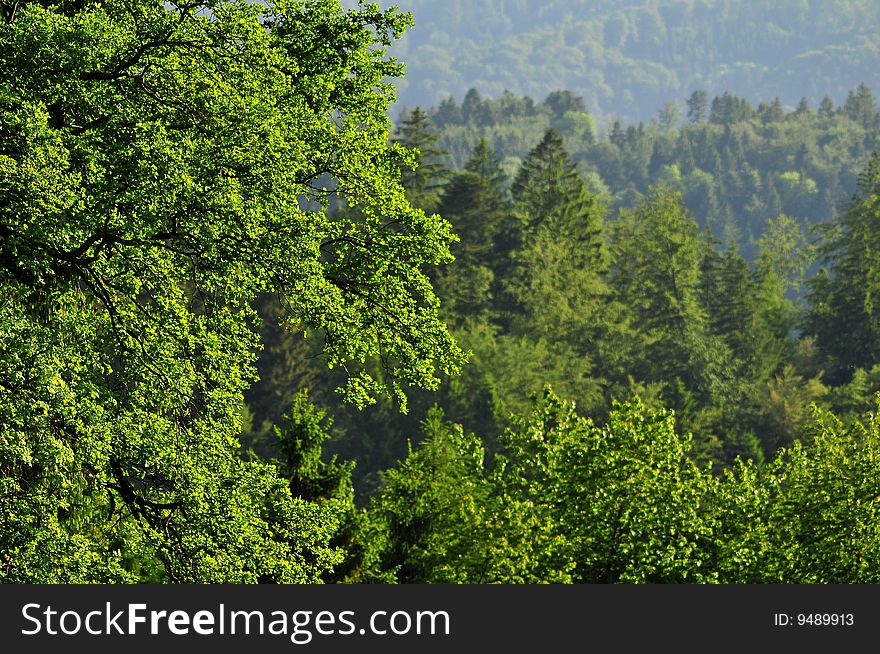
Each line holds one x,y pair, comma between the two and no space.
160,164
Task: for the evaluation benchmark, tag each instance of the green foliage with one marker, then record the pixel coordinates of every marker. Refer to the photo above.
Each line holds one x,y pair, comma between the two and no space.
424,175
785,402
845,297
624,498
737,173
861,108
543,290
475,202
192,197
558,252
568,501
697,103
304,432
857,397
810,517
427,524
657,248
160,165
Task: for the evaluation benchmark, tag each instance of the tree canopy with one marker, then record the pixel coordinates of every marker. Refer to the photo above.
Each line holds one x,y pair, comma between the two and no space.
160,164
193,196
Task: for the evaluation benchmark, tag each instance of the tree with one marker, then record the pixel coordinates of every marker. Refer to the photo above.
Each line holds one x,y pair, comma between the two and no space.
560,102
844,298
809,517
563,501
826,107
559,265
566,500
623,498
544,268
424,176
303,432
861,107
546,179
617,136
656,250
160,164
428,523
476,203
656,254
728,109
448,113
827,517
728,295
773,112
803,107
473,109
669,115
300,438
697,104
784,255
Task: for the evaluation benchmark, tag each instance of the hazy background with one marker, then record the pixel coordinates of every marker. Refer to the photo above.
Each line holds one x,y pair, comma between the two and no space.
626,57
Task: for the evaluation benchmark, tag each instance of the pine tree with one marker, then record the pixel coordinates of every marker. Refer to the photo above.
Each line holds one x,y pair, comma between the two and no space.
473,107
773,112
560,249
448,113
826,107
803,107
552,293
484,162
617,135
548,180
657,252
729,296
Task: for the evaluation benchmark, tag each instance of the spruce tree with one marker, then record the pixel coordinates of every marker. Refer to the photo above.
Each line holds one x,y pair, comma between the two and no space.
424,176
697,104
861,107
475,203
844,297
560,258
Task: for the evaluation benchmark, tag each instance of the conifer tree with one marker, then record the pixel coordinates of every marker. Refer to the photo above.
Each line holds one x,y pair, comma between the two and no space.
656,252
561,258
844,297
475,202
424,176
861,107
697,104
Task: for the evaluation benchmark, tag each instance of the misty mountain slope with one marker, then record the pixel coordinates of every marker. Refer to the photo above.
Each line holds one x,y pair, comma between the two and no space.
628,57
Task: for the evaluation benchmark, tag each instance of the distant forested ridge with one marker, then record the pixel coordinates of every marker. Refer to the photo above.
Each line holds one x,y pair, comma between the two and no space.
737,164
628,56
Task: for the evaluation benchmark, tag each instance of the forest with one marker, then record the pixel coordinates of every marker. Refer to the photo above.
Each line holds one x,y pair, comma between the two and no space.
628,57
252,331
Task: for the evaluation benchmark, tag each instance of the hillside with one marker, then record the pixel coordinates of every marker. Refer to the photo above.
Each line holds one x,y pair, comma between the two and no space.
737,165
627,57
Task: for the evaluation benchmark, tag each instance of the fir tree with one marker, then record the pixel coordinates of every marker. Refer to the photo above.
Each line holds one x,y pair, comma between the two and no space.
424,177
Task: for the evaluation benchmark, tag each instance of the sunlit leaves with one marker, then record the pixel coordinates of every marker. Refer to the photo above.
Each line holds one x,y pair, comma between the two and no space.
160,164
